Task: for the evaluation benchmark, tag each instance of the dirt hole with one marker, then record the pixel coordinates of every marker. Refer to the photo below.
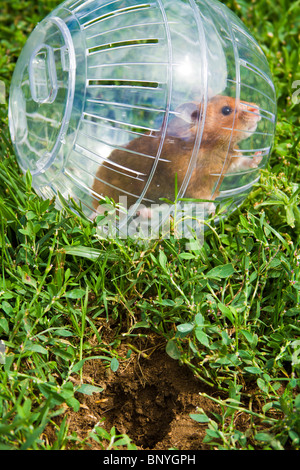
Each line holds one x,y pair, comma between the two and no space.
149,399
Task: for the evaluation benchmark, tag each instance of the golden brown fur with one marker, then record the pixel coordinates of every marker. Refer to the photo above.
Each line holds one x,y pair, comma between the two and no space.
215,157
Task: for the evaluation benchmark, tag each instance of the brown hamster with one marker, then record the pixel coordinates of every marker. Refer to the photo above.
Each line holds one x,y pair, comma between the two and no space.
127,169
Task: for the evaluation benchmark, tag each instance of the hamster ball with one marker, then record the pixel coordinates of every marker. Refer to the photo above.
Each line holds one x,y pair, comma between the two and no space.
142,102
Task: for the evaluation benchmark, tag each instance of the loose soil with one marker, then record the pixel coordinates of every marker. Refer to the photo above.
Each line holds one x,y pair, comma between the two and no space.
149,398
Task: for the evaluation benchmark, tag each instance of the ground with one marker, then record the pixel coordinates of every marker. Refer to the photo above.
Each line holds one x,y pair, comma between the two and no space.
149,398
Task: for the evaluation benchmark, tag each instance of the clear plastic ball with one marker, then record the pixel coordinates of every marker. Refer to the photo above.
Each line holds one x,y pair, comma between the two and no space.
145,103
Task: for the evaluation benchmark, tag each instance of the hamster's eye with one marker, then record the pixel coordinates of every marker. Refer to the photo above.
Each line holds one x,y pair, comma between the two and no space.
195,115
226,110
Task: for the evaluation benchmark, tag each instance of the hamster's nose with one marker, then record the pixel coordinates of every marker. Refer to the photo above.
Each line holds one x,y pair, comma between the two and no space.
253,109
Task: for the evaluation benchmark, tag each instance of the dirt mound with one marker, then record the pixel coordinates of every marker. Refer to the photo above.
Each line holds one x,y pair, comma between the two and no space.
148,398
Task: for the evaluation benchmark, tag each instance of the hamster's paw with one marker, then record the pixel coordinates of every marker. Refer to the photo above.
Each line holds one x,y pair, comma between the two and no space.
144,213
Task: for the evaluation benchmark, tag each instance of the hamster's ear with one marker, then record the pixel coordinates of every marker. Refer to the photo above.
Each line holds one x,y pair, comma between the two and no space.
184,124
189,112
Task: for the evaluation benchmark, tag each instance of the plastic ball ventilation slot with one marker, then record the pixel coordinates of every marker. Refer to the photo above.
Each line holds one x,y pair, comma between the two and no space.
144,104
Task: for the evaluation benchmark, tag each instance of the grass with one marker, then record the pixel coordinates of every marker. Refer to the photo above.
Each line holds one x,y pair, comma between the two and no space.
228,310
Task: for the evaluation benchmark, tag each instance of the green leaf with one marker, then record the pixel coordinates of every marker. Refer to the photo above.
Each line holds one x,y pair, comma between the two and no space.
221,271
213,434
263,436
33,437
185,328
140,324
33,347
186,256
225,338
63,353
294,437
28,178
88,389
75,294
82,251
249,244
290,218
162,259
253,370
78,366
201,336
297,402
114,364
200,418
102,433
4,325
262,385
199,319
251,338
228,312
172,349
75,404
167,302
62,332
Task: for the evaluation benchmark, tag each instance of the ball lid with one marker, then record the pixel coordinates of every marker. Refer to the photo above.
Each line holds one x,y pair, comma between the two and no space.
41,95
